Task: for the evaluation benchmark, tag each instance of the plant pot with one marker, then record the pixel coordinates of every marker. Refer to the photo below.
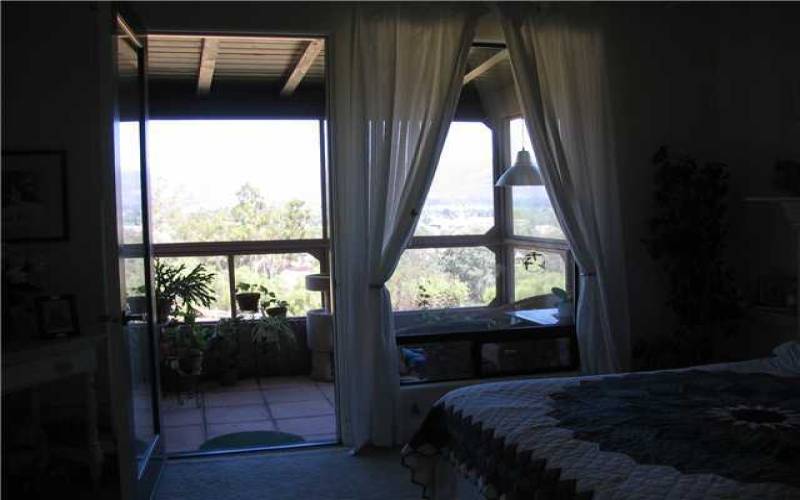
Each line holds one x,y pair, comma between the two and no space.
191,362
164,308
137,305
277,312
248,301
229,376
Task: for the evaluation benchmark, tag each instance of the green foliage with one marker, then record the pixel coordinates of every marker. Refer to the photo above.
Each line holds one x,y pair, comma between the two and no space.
223,346
183,291
250,218
475,269
268,331
270,299
453,277
184,336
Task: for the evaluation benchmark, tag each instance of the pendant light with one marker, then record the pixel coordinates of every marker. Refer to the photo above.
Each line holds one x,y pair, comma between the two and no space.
523,172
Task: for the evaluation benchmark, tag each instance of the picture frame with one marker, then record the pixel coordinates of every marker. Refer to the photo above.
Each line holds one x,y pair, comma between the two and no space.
34,202
57,316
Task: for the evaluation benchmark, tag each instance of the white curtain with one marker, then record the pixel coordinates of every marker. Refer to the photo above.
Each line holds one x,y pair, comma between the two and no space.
557,57
394,107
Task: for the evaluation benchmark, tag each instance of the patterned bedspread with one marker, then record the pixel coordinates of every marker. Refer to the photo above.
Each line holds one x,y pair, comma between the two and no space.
719,431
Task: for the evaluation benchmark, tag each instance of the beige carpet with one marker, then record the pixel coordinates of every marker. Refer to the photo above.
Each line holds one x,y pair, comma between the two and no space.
321,473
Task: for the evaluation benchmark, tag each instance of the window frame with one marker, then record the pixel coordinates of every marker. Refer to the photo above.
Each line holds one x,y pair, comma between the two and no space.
500,238
513,240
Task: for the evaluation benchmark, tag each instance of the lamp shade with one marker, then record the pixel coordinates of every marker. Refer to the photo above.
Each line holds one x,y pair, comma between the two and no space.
522,173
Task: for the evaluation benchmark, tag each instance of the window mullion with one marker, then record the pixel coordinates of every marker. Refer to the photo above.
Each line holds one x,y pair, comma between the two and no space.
232,283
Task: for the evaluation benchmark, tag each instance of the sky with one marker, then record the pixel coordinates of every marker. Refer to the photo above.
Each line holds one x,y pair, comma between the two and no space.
213,158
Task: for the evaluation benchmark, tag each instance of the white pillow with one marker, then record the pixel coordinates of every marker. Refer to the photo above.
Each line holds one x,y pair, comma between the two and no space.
787,356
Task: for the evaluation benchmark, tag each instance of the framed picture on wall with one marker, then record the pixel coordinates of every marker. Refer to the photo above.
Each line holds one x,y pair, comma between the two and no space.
34,196
57,316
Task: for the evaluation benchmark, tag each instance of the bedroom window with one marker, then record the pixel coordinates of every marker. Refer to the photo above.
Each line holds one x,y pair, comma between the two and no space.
481,290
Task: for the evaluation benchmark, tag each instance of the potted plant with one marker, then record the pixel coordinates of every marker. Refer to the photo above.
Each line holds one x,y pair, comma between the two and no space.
273,306
187,344
137,304
268,332
179,292
687,238
248,297
223,347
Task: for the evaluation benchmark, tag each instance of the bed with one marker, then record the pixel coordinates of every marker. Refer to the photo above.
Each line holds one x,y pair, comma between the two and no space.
716,431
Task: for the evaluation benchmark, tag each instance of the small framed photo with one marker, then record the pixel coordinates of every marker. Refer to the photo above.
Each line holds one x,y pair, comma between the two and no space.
34,196
57,316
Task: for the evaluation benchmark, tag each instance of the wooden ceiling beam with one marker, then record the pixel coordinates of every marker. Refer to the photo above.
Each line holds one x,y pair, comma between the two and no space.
208,61
229,38
301,68
485,66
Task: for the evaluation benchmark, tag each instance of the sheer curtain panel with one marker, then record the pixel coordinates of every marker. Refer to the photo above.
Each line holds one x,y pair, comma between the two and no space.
392,111
557,57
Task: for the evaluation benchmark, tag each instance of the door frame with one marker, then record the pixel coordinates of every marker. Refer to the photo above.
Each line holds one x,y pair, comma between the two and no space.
138,479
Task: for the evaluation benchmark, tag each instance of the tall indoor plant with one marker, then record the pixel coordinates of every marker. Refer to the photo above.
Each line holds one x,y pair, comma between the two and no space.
687,236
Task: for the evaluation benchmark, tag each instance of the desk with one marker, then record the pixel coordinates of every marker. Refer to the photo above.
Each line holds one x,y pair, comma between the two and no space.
36,362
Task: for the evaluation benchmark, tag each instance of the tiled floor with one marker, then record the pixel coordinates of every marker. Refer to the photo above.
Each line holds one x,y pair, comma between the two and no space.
297,405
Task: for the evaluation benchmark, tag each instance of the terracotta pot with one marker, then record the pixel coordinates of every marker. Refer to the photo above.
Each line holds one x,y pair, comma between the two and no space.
137,305
277,312
164,308
248,301
191,362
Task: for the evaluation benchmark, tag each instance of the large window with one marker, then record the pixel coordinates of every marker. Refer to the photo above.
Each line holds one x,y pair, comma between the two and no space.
468,251
474,292
245,198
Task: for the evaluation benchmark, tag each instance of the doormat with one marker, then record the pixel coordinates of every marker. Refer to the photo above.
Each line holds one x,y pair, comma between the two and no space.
250,439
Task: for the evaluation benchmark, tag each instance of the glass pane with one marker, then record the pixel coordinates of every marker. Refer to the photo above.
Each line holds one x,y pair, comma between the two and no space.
525,356
235,180
536,273
461,198
221,306
532,211
130,181
440,278
435,361
140,352
283,274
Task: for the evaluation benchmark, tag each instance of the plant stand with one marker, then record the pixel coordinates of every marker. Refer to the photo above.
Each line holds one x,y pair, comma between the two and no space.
185,385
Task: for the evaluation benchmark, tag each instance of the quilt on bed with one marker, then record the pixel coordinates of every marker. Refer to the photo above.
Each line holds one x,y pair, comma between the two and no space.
729,431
